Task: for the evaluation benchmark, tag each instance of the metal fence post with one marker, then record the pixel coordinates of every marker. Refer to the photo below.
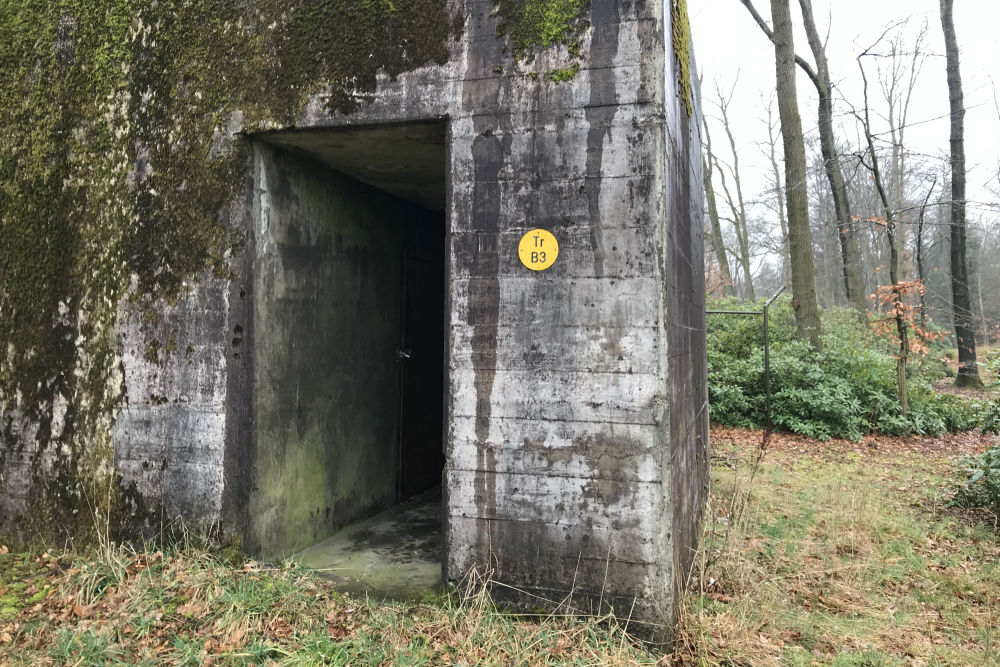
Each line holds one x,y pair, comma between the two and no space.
767,357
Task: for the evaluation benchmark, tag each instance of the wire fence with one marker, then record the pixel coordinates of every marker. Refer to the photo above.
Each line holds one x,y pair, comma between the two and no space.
767,353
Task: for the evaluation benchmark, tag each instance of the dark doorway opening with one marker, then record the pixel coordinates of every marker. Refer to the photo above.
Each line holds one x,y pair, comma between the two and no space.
421,455
350,291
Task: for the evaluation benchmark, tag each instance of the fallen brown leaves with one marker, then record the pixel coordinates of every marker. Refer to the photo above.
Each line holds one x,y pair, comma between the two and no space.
840,552
881,446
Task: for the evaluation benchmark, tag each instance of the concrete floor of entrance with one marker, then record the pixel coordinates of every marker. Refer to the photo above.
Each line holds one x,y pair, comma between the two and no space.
395,554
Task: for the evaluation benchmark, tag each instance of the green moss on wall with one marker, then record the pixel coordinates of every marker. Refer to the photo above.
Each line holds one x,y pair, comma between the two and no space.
117,163
542,23
563,73
681,29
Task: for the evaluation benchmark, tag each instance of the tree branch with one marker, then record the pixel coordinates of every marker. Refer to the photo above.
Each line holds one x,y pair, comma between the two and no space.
799,60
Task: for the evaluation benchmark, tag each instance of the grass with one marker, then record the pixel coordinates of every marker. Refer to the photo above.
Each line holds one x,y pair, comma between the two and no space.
187,607
832,553
840,554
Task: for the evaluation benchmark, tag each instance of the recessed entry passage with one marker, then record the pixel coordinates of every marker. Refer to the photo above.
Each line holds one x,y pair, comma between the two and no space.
349,345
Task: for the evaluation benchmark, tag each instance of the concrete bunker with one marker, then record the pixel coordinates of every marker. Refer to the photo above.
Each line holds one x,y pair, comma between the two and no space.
348,330
244,302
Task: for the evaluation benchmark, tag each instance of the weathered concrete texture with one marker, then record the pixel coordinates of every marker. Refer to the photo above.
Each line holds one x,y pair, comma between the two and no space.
687,367
560,470
576,442
169,434
575,420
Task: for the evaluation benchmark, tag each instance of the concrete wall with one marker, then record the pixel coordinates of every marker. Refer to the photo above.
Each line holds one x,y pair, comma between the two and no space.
169,435
559,463
687,368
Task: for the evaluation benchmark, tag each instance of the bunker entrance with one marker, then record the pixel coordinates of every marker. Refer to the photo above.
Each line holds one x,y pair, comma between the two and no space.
350,352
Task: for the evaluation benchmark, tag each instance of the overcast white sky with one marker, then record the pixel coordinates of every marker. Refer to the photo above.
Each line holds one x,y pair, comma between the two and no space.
730,48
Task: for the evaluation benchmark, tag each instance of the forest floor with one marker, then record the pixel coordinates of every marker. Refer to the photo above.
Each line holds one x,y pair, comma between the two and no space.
832,553
951,361
842,553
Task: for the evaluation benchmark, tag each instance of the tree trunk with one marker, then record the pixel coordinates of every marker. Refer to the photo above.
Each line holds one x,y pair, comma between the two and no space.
718,243
780,195
984,327
901,328
920,252
716,234
738,206
897,86
796,198
965,336
850,253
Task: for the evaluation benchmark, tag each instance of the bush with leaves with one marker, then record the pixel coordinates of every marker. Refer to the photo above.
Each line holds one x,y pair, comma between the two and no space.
991,418
845,391
980,482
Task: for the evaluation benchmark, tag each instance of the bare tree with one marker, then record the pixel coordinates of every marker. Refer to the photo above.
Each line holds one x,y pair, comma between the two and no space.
902,329
920,250
826,248
715,237
850,254
968,372
820,77
898,70
736,204
773,129
980,251
796,197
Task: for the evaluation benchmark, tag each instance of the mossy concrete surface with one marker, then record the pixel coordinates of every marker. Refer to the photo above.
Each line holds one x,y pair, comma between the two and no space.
327,332
119,166
137,386
681,29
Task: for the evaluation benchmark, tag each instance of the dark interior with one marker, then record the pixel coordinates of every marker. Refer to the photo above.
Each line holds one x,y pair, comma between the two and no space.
421,368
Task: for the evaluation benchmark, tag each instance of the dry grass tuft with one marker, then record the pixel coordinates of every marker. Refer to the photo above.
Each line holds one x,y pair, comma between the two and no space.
834,553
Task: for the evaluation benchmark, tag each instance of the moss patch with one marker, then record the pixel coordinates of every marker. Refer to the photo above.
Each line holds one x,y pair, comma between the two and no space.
542,23
22,583
681,29
118,160
563,74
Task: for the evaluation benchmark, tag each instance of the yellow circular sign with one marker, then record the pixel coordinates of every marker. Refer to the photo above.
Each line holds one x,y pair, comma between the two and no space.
538,249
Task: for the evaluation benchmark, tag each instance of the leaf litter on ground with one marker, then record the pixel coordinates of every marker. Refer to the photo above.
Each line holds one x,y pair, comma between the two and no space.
832,552
841,552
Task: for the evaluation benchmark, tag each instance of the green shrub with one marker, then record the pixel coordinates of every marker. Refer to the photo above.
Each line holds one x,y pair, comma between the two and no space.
845,391
991,418
992,364
980,482
933,366
958,414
